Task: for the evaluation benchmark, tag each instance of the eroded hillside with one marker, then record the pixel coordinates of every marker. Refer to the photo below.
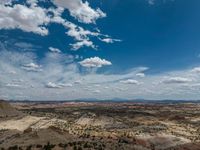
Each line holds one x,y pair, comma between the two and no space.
101,126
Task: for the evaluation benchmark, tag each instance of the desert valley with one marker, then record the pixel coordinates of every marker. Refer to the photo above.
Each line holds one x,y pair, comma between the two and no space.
99,125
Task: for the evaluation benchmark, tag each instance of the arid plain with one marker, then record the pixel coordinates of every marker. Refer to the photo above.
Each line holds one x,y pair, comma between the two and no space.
99,125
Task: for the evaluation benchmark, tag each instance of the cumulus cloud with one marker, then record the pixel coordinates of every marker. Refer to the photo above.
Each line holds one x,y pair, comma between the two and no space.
54,50
58,75
29,19
81,10
130,81
53,85
196,70
94,62
176,80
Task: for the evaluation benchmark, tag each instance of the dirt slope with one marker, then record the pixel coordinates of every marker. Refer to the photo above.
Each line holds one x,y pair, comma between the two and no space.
6,110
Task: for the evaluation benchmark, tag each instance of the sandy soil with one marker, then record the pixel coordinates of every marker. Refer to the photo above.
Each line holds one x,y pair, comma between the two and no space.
20,124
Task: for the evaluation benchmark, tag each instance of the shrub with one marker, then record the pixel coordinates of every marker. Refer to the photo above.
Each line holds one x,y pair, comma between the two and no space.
13,147
62,145
29,147
48,146
38,146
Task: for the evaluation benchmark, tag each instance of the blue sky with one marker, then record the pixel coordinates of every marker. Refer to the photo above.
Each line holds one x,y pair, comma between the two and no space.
76,49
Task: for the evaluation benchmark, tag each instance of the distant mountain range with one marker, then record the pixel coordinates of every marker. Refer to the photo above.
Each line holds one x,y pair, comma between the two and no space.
115,100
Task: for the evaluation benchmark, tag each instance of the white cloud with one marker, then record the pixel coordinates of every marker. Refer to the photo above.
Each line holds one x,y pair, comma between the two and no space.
53,85
36,19
77,82
96,91
81,10
81,44
12,85
67,82
130,81
58,85
176,80
32,67
54,50
196,70
78,32
110,40
29,19
32,2
141,75
82,36
94,62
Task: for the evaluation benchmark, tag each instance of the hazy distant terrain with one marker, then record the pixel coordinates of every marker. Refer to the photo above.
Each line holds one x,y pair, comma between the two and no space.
96,125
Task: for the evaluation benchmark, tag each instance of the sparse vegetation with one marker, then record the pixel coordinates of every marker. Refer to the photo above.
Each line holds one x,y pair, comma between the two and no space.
102,126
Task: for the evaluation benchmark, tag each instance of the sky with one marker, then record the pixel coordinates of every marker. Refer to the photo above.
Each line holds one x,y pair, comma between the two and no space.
99,49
